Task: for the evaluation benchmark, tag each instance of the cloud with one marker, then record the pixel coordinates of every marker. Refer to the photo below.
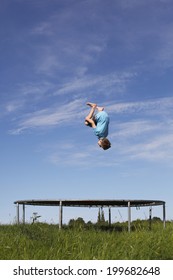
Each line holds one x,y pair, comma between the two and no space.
165,52
157,148
62,45
13,106
151,144
105,84
148,135
43,28
25,97
135,128
63,113
84,156
142,139
32,95
155,106
150,140
66,57
50,117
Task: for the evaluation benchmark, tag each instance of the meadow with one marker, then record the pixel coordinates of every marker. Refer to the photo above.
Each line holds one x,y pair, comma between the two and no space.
46,242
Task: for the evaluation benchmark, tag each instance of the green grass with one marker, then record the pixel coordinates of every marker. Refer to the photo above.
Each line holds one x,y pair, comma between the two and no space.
47,242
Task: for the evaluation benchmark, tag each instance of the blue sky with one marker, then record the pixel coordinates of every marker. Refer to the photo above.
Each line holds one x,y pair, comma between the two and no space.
57,55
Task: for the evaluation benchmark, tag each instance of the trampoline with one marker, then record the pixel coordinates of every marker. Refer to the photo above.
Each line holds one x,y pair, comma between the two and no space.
109,203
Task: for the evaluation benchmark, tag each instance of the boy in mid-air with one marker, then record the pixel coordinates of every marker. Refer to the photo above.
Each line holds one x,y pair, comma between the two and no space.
100,123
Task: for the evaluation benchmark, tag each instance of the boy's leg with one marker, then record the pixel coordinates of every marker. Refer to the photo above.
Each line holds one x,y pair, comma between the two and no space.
91,104
92,110
89,118
94,105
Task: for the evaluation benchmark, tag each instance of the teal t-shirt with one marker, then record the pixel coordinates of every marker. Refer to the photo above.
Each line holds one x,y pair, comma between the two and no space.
102,124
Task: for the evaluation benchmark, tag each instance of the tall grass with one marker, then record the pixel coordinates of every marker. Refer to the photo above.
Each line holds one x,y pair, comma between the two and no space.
47,242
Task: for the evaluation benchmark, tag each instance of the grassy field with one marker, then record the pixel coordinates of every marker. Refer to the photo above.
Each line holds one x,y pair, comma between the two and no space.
46,242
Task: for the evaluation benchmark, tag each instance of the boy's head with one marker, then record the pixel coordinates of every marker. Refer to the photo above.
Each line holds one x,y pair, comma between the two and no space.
104,143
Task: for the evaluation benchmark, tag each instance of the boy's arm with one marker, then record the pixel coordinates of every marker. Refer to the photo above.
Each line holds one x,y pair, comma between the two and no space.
91,122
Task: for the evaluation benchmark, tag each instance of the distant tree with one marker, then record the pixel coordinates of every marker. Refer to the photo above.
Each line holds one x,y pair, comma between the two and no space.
101,216
156,219
71,223
78,223
89,224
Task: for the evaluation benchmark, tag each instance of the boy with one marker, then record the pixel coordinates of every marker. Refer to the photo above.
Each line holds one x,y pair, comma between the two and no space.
99,122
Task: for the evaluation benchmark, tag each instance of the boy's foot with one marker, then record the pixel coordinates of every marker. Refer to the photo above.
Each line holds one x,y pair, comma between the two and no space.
100,108
92,104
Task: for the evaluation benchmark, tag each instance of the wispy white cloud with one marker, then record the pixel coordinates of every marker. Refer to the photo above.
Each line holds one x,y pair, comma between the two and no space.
66,57
165,52
149,139
85,156
105,84
132,129
50,117
13,106
25,97
144,140
156,106
148,144
43,28
32,95
63,113
157,148
64,48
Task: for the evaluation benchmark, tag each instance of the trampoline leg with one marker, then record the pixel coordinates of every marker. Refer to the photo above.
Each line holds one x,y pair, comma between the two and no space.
17,216
150,217
109,216
23,213
129,217
60,214
164,215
